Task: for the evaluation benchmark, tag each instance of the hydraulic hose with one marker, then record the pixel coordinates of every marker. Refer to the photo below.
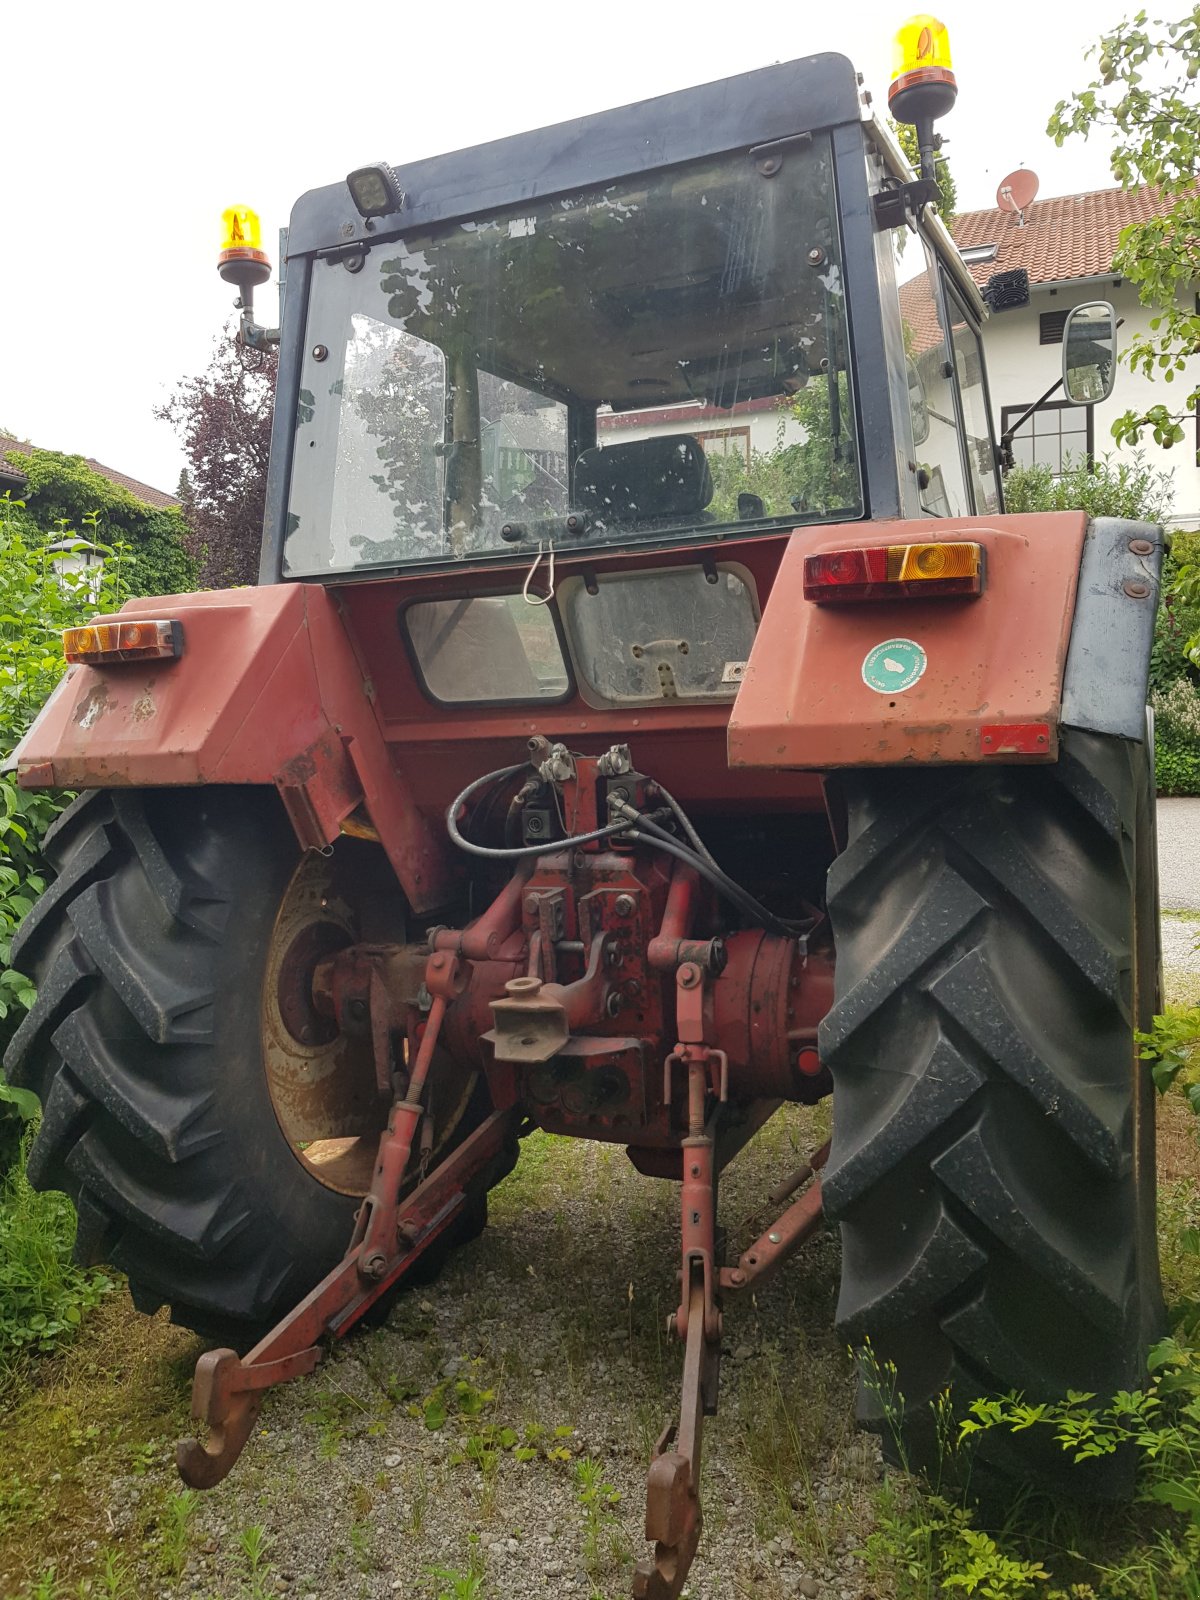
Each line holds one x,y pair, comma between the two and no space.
633,825
517,852
726,887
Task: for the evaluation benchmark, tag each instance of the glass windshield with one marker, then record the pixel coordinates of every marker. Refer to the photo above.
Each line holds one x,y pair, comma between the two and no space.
665,353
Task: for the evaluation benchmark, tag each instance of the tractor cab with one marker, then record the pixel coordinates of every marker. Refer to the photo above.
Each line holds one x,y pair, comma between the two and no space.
680,339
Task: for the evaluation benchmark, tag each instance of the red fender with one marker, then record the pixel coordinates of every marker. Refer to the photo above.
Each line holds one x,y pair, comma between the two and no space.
267,690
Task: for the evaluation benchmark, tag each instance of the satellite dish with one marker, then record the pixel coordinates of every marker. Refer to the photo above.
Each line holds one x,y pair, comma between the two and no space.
1018,191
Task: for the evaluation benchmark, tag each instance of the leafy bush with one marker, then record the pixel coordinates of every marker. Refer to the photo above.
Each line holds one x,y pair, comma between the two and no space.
36,604
1177,738
63,493
1107,488
818,475
42,1296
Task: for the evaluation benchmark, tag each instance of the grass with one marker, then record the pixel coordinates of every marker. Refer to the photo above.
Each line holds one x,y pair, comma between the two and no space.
78,1429
43,1297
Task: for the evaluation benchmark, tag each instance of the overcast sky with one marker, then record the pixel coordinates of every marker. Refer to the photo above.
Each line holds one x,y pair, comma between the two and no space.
130,126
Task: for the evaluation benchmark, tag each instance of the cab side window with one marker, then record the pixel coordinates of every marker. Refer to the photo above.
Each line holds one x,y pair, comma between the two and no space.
937,438
972,393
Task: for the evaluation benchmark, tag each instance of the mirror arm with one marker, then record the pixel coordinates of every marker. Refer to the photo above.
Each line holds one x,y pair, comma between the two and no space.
1004,453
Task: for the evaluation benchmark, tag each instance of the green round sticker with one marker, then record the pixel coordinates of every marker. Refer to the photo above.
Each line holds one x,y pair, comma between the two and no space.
893,666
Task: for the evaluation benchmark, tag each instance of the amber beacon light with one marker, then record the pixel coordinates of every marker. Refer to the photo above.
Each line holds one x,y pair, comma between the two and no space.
242,259
923,86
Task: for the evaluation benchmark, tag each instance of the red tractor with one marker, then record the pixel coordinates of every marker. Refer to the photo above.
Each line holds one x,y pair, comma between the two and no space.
586,762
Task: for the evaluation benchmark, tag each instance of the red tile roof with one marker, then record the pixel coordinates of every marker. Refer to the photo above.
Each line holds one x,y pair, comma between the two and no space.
1070,236
12,475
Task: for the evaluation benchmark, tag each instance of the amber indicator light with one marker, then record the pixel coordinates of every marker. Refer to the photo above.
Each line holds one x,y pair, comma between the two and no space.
894,572
101,643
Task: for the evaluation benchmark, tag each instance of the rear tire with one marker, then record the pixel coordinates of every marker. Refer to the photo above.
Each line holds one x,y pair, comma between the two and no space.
145,1046
992,1165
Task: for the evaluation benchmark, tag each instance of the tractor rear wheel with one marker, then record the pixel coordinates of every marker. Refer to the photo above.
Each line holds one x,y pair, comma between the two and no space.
992,1166
215,1132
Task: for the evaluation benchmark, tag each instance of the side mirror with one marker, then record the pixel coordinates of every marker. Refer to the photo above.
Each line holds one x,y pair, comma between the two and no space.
1089,353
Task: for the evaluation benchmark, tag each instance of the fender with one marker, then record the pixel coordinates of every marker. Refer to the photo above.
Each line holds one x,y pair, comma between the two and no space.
266,690
1060,634
1108,664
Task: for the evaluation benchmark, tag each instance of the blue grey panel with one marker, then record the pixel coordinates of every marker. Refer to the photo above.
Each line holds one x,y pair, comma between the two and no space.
756,108
1108,661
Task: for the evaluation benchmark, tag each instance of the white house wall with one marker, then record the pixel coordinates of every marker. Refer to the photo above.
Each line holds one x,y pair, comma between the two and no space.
712,433
1020,370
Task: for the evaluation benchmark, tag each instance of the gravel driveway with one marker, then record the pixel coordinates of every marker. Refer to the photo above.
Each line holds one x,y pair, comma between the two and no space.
543,1344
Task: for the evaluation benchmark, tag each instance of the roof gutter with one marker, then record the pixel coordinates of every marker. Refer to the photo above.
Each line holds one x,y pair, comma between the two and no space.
1113,278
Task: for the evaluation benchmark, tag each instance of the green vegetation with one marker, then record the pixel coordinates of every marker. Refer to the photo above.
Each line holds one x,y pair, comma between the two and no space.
602,1542
43,1297
1177,738
63,494
36,604
1135,489
1106,488
936,1538
819,475
1143,99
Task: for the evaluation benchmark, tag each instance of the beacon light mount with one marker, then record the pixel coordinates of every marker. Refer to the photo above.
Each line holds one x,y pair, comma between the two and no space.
243,262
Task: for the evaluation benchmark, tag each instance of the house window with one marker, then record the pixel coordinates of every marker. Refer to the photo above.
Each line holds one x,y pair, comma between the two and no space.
726,442
1057,436
1050,327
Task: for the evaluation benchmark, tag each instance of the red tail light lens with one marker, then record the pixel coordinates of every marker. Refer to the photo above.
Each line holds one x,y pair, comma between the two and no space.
894,572
100,643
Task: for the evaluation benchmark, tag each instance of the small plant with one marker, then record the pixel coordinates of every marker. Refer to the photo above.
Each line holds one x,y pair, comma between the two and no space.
173,1531
360,1546
418,1505
46,1586
142,1457
114,1580
254,1545
334,1412
599,1501
1172,1046
43,1295
455,1585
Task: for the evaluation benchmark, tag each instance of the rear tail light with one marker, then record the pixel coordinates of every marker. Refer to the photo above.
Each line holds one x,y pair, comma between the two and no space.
102,642
894,572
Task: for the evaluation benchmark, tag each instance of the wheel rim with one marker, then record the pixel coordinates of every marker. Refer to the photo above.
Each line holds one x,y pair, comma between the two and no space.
322,1082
